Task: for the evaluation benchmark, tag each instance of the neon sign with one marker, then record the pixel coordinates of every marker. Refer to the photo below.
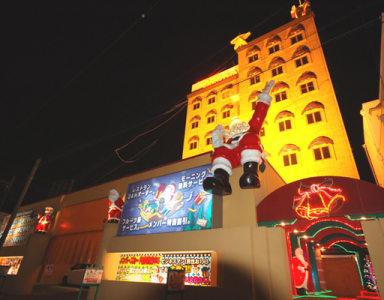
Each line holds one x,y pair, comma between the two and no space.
215,78
318,200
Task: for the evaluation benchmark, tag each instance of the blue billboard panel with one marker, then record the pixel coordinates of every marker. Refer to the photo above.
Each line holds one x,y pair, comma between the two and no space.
171,203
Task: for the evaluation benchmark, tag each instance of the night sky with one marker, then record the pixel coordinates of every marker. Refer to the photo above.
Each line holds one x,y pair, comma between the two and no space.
81,79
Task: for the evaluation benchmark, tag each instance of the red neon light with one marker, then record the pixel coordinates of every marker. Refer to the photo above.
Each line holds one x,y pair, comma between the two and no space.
318,200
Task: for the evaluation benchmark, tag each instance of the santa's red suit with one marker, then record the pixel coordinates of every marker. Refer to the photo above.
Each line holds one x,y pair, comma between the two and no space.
243,147
44,221
115,206
246,146
301,269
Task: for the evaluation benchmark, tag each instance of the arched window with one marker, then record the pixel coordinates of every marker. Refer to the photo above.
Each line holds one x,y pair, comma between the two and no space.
253,54
195,122
321,148
314,112
254,75
193,142
280,91
208,138
285,120
289,152
196,103
226,92
212,97
301,56
226,111
276,66
297,34
274,44
211,116
307,82
252,98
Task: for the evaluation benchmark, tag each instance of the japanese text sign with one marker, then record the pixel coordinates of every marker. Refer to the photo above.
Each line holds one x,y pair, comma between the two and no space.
170,203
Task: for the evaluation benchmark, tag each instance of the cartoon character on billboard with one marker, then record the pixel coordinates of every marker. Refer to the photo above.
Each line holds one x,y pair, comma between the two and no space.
44,220
167,200
301,269
155,277
241,145
168,197
116,205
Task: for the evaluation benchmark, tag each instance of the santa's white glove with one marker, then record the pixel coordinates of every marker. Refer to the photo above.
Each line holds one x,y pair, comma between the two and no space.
217,136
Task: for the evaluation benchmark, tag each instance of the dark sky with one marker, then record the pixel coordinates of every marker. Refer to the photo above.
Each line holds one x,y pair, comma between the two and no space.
81,79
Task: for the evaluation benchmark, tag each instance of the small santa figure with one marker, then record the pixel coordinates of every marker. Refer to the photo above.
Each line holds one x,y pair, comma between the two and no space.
45,220
115,206
300,268
242,145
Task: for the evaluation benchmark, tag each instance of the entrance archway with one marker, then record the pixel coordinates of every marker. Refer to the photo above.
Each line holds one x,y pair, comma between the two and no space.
323,216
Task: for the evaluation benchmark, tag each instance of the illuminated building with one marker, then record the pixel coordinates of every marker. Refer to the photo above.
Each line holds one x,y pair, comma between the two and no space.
249,252
373,124
304,134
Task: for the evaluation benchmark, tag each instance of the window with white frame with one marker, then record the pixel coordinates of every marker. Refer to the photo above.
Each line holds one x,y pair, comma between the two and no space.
277,71
192,145
297,34
290,159
253,54
196,105
285,125
274,45
301,61
313,117
280,91
307,87
195,124
226,114
211,119
322,153
281,96
211,100
208,141
274,48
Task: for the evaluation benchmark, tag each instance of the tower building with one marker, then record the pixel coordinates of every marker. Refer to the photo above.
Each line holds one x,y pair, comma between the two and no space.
303,134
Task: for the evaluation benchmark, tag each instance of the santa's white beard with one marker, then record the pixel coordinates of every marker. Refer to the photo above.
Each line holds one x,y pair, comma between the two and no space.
113,198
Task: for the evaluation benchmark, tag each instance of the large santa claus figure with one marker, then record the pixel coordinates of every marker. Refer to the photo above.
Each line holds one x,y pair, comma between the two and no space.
115,206
242,146
300,268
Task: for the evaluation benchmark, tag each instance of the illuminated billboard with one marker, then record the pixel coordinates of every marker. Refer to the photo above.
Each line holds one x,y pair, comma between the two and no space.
170,203
200,267
23,225
12,262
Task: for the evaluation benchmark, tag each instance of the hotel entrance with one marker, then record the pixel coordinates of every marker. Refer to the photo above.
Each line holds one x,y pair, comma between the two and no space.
327,249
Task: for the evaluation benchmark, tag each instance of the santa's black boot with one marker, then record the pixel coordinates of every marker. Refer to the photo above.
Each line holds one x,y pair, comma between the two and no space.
250,179
218,184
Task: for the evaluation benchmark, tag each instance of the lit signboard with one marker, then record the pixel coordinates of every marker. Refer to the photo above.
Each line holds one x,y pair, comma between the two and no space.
200,267
13,262
215,78
23,225
170,203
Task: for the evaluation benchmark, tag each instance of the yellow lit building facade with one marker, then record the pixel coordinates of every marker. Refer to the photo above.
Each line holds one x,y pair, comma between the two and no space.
303,134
